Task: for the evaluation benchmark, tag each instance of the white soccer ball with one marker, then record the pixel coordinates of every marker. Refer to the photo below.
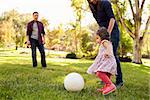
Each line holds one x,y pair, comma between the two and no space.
74,82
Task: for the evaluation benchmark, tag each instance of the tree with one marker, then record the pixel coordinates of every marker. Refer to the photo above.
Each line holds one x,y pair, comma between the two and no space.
78,6
45,23
6,30
135,31
25,18
126,42
14,27
87,42
55,38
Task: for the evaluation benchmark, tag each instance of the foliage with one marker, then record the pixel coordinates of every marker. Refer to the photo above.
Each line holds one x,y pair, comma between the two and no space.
87,43
126,43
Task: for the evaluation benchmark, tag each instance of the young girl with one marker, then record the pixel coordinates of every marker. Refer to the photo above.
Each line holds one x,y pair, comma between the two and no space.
104,65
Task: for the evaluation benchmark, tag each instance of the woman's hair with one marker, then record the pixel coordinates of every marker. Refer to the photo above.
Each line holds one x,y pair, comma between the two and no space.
102,32
98,5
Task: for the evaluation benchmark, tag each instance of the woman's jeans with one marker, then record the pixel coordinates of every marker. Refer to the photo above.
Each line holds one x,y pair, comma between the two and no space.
115,38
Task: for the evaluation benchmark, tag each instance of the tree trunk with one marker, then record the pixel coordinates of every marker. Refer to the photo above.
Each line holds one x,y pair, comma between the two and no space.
76,43
16,47
137,51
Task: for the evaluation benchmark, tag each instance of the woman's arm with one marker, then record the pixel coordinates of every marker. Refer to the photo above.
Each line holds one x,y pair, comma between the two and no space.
111,25
110,14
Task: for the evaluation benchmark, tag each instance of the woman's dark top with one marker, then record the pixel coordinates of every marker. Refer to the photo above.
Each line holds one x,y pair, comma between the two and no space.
103,12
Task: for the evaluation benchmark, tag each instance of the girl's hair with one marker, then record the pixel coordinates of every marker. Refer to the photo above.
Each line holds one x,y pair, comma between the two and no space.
102,32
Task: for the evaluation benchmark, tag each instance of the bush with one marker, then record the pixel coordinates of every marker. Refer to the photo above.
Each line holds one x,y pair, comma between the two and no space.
71,55
125,59
145,56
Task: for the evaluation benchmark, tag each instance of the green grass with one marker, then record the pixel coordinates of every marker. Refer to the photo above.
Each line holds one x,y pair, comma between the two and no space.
19,81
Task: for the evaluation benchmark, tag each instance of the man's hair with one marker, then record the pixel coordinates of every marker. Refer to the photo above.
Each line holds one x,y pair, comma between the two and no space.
35,12
102,32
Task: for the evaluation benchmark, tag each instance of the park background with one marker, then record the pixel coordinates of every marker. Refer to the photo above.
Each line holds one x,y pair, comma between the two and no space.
71,47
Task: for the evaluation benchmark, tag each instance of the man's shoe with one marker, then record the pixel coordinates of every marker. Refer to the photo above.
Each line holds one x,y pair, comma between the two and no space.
109,89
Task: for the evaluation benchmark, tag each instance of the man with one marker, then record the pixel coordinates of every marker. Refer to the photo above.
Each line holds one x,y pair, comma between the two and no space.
103,13
35,38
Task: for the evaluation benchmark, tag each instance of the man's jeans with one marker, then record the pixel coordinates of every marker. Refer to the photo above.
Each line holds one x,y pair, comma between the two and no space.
34,44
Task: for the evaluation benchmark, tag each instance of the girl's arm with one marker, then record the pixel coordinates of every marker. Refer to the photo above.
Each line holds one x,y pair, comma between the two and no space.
106,44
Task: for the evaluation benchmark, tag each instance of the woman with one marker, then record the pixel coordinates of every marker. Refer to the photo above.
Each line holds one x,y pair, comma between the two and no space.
103,13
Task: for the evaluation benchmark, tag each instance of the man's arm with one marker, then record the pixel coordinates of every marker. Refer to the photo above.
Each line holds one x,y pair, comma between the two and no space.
43,34
28,32
43,39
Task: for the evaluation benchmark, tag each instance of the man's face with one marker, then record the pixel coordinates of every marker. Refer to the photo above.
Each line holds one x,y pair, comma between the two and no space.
35,16
93,1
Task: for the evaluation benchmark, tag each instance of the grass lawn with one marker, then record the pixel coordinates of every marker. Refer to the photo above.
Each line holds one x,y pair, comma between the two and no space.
19,81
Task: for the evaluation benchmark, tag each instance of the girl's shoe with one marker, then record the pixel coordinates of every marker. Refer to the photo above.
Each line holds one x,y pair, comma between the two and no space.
102,89
101,83
109,89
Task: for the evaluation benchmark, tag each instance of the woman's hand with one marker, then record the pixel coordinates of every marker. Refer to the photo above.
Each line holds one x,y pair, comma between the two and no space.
107,54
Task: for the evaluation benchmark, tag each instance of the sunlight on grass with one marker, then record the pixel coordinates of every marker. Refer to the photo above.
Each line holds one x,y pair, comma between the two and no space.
19,81
146,62
132,64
